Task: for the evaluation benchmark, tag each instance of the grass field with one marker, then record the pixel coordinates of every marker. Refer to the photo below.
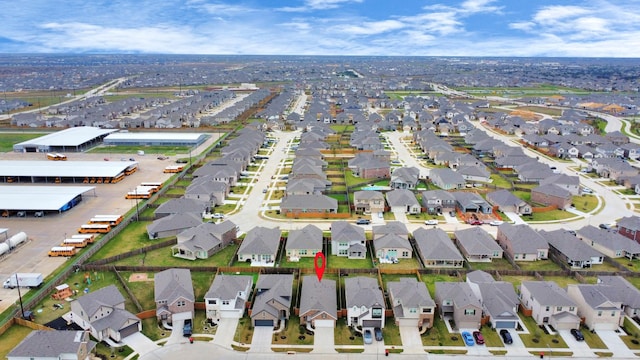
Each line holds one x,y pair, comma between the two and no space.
11,338
133,149
7,140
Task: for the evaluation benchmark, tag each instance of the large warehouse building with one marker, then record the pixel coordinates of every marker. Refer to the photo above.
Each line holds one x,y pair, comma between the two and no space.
73,139
155,139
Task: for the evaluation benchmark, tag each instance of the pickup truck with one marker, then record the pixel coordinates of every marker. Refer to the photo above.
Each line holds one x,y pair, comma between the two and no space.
187,329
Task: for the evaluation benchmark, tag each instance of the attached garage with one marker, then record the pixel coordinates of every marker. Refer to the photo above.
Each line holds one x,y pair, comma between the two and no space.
408,322
263,323
605,326
131,329
506,324
371,323
324,323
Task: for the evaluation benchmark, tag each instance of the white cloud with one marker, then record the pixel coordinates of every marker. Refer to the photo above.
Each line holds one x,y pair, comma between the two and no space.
311,5
552,15
369,28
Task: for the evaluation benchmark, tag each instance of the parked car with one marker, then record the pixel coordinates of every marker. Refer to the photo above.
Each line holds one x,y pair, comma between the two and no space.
162,158
496,222
182,161
468,339
474,222
605,226
431,222
218,216
367,337
577,334
377,332
587,190
452,213
362,222
187,329
506,336
479,338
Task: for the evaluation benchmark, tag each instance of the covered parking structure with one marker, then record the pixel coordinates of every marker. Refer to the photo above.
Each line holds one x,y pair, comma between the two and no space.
73,172
45,199
74,139
155,139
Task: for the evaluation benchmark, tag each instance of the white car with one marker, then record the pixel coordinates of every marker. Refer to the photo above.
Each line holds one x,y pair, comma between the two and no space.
587,190
431,222
496,222
218,215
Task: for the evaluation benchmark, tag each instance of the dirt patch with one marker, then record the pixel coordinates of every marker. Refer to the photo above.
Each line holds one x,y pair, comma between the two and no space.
139,277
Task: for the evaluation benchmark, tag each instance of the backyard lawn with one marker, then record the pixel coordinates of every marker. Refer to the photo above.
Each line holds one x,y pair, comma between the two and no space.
495,264
163,257
342,262
11,338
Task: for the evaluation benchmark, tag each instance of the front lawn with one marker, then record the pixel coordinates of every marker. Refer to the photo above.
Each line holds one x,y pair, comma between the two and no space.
391,332
549,216
585,203
293,334
244,331
344,335
537,337
439,335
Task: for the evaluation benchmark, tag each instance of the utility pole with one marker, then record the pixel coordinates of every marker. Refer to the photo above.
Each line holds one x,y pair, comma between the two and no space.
19,295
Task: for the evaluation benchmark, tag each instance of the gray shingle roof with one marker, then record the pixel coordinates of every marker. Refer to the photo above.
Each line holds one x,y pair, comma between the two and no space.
362,291
304,202
309,237
435,244
458,292
548,293
346,232
269,287
182,206
260,240
504,198
401,197
553,190
524,240
226,287
622,290
318,296
106,296
477,241
51,344
609,240
569,245
391,227
410,292
391,241
174,222
172,284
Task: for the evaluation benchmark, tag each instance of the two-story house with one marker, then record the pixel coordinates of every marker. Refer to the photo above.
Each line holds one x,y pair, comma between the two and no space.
227,297
522,243
368,202
272,302
549,304
365,302
411,303
457,301
174,296
348,240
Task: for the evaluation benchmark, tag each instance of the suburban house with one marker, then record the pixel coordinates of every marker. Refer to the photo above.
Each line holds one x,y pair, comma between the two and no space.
260,246
566,182
600,309
102,312
368,202
403,201
477,245
438,201
499,299
411,303
172,225
204,240
405,178
208,190
457,301
609,243
348,240
305,242
181,206
551,195
624,292
296,204
471,202
391,247
318,302
570,250
272,302
436,249
522,243
307,186
446,179
629,227
505,201
391,227
54,344
365,302
549,304
174,296
227,297
474,174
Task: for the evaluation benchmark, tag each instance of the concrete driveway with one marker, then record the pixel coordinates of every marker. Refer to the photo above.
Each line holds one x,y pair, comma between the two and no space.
225,332
176,333
261,341
615,344
323,341
514,217
411,341
579,348
517,348
140,343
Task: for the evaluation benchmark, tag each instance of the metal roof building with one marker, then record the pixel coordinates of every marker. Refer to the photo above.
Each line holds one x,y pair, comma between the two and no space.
40,198
156,138
72,139
13,171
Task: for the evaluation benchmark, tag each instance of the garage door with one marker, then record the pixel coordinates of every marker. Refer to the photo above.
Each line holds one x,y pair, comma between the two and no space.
605,326
505,324
408,322
371,323
131,329
324,323
264,323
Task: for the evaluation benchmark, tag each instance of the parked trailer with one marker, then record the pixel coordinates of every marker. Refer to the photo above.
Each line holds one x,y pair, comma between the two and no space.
94,228
89,237
16,239
62,251
78,243
4,248
30,280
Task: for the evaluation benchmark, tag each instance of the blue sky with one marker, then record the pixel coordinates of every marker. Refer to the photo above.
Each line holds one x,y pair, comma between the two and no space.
580,28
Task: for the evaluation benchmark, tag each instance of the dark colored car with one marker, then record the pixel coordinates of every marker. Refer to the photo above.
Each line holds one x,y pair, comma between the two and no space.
577,334
506,336
377,332
362,222
479,338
